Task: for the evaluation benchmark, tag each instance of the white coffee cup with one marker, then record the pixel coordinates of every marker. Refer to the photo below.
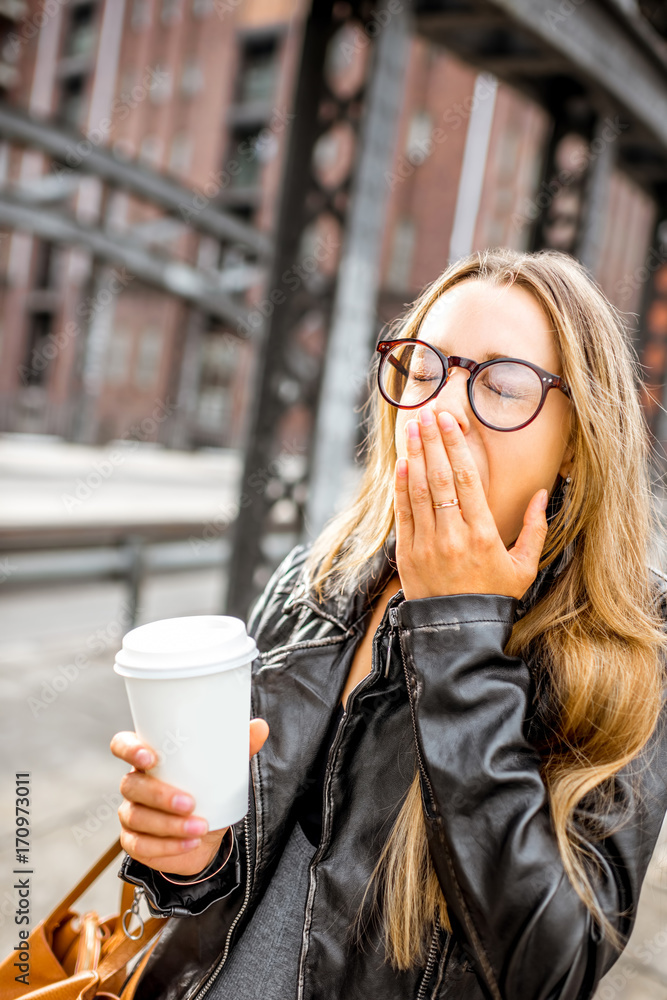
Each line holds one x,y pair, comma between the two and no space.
188,684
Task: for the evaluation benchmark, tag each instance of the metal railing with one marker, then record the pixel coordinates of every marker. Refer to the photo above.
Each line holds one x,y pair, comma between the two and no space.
48,556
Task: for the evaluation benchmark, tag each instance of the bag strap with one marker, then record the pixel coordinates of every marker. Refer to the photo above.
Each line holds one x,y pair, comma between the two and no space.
90,876
126,949
126,899
129,988
115,960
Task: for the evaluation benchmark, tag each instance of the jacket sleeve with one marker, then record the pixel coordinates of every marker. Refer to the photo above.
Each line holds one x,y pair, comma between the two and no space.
511,904
164,898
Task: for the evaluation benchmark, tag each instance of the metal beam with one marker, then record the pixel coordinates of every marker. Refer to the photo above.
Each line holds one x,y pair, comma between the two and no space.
170,276
457,20
473,167
287,380
510,64
353,325
593,42
596,194
82,155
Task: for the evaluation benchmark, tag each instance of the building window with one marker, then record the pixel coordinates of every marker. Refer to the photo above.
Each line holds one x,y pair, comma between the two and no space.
244,163
150,152
127,80
259,70
180,154
118,358
44,265
220,362
171,11
214,408
202,8
141,14
402,251
72,100
418,142
41,348
82,33
192,78
147,364
161,85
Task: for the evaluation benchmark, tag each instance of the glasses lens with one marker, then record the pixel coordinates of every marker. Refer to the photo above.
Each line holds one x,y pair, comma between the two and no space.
410,373
507,394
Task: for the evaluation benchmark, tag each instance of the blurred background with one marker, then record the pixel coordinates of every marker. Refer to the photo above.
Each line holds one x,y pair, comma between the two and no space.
208,211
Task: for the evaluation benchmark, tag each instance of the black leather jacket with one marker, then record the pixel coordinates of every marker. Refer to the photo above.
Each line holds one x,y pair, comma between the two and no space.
443,697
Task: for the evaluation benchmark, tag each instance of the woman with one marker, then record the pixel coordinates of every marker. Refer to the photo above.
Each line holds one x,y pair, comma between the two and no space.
464,776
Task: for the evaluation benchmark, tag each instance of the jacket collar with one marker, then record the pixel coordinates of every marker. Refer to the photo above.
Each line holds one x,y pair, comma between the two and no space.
346,607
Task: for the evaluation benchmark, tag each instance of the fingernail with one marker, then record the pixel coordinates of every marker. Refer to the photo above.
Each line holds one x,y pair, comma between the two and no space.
187,844
183,802
402,467
195,826
426,416
144,758
446,421
412,429
544,499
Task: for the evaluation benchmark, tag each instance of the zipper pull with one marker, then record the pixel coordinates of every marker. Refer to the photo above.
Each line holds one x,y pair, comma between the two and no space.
393,623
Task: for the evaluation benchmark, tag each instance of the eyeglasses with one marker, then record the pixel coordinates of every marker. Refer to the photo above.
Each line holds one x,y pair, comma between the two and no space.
505,394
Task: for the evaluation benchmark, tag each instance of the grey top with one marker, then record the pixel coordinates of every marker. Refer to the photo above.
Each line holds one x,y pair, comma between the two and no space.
263,963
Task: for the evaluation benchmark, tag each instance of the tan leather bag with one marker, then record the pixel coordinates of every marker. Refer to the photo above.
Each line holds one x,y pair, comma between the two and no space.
81,957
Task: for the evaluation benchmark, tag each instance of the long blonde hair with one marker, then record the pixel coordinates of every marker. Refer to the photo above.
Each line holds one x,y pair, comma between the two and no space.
596,635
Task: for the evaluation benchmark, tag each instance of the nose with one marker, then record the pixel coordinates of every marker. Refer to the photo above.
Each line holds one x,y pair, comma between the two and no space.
453,397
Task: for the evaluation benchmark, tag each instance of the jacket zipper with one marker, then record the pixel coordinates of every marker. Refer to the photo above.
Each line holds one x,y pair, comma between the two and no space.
203,990
393,615
433,950
430,962
324,840
323,844
392,627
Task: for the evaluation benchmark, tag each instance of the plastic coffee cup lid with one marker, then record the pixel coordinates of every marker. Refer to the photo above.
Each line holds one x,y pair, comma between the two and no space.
185,647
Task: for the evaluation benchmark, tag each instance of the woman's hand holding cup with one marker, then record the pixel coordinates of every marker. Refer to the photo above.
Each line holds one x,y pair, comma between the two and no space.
157,825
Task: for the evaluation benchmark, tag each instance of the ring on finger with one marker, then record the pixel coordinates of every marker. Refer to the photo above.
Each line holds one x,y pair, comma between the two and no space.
447,503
